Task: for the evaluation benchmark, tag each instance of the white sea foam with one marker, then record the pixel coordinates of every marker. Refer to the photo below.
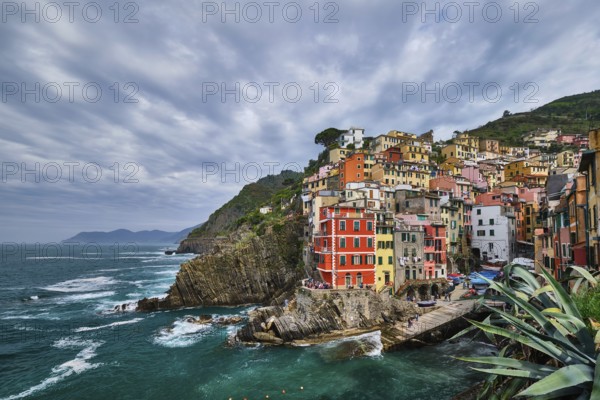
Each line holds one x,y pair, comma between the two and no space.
86,296
181,334
365,345
61,258
118,323
109,307
82,285
60,372
172,272
34,298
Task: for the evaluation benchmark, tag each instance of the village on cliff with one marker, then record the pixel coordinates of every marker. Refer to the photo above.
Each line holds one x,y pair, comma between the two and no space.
401,213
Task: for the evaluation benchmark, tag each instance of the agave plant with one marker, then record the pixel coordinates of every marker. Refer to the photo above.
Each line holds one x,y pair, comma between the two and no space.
546,349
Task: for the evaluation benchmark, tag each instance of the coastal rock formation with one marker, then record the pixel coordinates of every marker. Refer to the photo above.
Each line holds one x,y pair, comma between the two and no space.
244,269
199,245
315,312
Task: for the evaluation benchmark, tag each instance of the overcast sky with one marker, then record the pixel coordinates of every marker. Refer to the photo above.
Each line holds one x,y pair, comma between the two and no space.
151,115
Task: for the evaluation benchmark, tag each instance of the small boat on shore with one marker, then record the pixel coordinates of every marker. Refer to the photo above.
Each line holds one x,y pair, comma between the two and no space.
426,303
494,264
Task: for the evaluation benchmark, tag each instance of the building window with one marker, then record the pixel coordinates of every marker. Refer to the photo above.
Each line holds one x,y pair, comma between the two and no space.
479,211
342,243
480,233
390,259
405,252
356,260
480,222
369,242
369,226
491,232
342,225
356,242
370,259
342,260
356,226
491,221
379,260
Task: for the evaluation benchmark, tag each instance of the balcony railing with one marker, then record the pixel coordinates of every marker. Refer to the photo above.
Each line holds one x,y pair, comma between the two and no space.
350,215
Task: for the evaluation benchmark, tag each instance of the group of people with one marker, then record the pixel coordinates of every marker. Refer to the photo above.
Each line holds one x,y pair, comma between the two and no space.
412,321
312,284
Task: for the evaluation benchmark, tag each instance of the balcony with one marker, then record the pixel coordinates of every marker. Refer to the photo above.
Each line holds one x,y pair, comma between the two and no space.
351,215
320,233
323,250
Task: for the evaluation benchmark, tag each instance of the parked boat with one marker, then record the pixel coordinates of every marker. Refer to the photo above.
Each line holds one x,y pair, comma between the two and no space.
494,264
528,262
426,303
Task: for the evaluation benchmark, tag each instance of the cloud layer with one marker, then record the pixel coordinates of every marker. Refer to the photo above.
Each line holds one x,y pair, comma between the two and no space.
195,95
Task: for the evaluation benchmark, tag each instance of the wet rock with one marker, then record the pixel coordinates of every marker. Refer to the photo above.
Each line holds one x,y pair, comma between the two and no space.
319,312
264,337
228,320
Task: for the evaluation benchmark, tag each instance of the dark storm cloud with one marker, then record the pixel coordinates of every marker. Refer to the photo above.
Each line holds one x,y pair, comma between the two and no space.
353,72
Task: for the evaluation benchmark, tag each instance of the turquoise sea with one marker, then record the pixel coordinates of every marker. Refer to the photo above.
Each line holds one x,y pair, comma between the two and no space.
60,338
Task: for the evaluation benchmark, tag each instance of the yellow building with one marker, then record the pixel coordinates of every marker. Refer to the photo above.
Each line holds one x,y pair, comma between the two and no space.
392,174
453,219
565,159
338,154
460,151
392,139
384,254
414,153
451,166
527,172
465,140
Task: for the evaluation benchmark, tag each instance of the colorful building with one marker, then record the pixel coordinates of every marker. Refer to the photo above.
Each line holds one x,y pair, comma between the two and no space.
384,253
345,246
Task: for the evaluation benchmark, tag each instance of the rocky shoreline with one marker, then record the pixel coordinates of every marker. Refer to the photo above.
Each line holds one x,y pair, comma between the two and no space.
319,315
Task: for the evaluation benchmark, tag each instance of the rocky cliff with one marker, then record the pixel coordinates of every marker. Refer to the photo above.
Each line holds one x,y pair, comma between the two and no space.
199,245
244,269
314,313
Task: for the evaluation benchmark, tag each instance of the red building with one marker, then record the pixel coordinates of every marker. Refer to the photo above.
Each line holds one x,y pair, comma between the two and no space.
345,246
434,250
392,155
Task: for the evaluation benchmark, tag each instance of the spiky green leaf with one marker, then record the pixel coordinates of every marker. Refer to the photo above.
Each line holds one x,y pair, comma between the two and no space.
566,377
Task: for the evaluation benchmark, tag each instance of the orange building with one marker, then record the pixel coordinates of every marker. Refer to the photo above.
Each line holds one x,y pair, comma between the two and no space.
353,169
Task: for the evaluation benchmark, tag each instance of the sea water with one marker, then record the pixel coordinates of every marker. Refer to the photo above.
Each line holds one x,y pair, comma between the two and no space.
61,337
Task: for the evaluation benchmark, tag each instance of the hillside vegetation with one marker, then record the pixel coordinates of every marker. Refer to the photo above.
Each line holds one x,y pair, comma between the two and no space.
271,189
570,114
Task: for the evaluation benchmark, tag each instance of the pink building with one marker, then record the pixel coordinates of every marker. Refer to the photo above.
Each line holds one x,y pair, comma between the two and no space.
473,174
566,138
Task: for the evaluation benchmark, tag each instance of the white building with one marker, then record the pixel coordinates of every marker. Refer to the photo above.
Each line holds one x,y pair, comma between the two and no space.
362,194
266,210
493,232
352,136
